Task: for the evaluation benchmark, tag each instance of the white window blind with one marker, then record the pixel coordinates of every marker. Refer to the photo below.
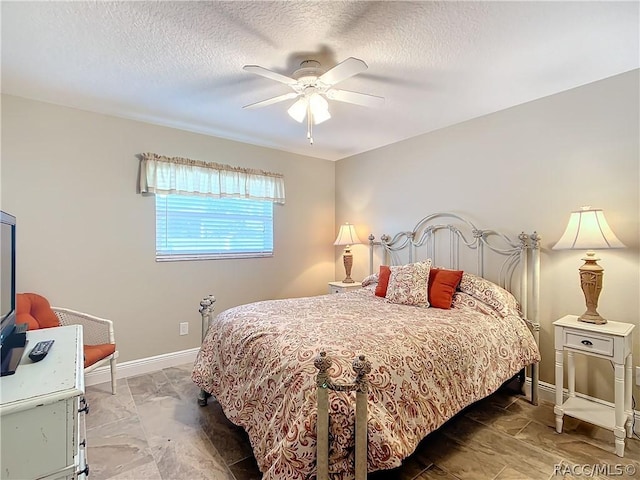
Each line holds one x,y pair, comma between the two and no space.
195,227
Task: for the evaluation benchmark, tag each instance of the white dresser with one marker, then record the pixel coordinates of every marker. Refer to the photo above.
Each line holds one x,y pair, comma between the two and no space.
42,411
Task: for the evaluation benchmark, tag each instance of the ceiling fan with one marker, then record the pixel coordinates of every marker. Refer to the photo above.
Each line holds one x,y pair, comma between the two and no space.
312,86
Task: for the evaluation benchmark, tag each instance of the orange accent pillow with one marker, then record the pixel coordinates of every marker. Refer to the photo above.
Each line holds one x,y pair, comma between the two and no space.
35,311
383,281
442,286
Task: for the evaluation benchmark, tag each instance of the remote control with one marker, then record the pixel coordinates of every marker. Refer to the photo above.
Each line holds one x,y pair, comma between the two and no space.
40,350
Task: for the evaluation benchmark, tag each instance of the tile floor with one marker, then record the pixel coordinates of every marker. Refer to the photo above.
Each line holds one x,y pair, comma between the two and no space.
153,429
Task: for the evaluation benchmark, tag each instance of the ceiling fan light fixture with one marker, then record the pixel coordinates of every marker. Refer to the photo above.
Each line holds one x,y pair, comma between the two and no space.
298,110
320,116
312,85
319,108
318,102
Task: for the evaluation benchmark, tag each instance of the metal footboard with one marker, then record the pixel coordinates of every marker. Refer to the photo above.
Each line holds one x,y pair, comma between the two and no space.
207,307
361,386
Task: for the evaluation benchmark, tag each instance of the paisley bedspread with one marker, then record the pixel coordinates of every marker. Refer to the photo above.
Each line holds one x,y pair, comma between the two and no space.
427,365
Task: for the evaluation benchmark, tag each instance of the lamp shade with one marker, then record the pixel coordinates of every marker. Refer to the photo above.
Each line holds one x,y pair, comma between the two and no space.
298,110
347,235
319,108
320,116
588,230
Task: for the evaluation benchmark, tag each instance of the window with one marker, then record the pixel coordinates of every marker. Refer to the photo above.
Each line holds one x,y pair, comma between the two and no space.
196,227
210,210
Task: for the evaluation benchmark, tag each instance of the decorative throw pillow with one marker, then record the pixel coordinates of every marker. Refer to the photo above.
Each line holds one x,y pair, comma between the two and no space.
408,284
383,281
370,280
488,292
442,286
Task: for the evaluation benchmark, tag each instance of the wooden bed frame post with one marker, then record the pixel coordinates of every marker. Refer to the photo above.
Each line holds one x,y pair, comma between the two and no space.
362,367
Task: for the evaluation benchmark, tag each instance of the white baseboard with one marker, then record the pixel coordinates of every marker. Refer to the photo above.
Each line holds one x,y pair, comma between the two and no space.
141,366
547,393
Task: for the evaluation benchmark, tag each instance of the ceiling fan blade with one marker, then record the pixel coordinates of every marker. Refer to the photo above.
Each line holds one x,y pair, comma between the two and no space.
348,68
271,101
269,74
354,97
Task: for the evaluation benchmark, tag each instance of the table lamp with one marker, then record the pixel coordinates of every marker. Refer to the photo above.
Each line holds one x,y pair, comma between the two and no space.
588,230
347,236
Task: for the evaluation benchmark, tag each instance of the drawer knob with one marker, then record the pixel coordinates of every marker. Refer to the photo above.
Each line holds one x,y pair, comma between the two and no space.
587,343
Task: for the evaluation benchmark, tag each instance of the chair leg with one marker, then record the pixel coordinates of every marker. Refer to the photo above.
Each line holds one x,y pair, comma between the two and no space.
113,376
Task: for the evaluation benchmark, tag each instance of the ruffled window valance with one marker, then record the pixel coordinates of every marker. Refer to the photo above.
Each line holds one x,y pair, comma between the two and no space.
182,176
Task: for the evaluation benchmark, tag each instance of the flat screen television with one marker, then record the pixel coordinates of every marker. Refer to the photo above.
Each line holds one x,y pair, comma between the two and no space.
12,339
7,275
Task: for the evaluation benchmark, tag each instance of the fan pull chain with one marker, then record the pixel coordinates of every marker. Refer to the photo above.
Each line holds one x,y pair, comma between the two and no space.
309,125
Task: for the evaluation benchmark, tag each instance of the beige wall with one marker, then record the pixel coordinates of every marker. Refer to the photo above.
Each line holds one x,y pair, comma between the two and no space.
86,240
524,168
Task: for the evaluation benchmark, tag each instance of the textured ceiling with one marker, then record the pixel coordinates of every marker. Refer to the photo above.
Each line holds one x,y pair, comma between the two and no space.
436,63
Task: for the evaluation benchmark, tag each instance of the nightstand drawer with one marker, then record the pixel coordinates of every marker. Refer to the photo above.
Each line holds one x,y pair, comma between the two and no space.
598,345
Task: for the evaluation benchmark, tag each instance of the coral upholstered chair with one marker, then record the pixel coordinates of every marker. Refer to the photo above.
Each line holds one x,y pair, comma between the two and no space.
99,338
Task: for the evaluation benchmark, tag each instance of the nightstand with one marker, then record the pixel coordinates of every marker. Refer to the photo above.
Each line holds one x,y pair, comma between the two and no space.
339,287
611,341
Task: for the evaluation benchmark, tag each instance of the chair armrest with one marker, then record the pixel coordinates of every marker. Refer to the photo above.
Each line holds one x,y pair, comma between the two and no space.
96,330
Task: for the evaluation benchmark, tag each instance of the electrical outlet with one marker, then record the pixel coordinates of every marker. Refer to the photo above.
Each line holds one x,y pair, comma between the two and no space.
638,376
184,328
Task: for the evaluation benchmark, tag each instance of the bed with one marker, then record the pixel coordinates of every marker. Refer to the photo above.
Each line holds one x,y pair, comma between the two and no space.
427,363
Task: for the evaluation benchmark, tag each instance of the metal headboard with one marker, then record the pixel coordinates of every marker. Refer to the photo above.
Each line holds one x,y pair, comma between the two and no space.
514,264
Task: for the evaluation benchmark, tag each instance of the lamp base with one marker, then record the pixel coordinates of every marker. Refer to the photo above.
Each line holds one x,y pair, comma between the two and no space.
590,318
591,283
347,260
